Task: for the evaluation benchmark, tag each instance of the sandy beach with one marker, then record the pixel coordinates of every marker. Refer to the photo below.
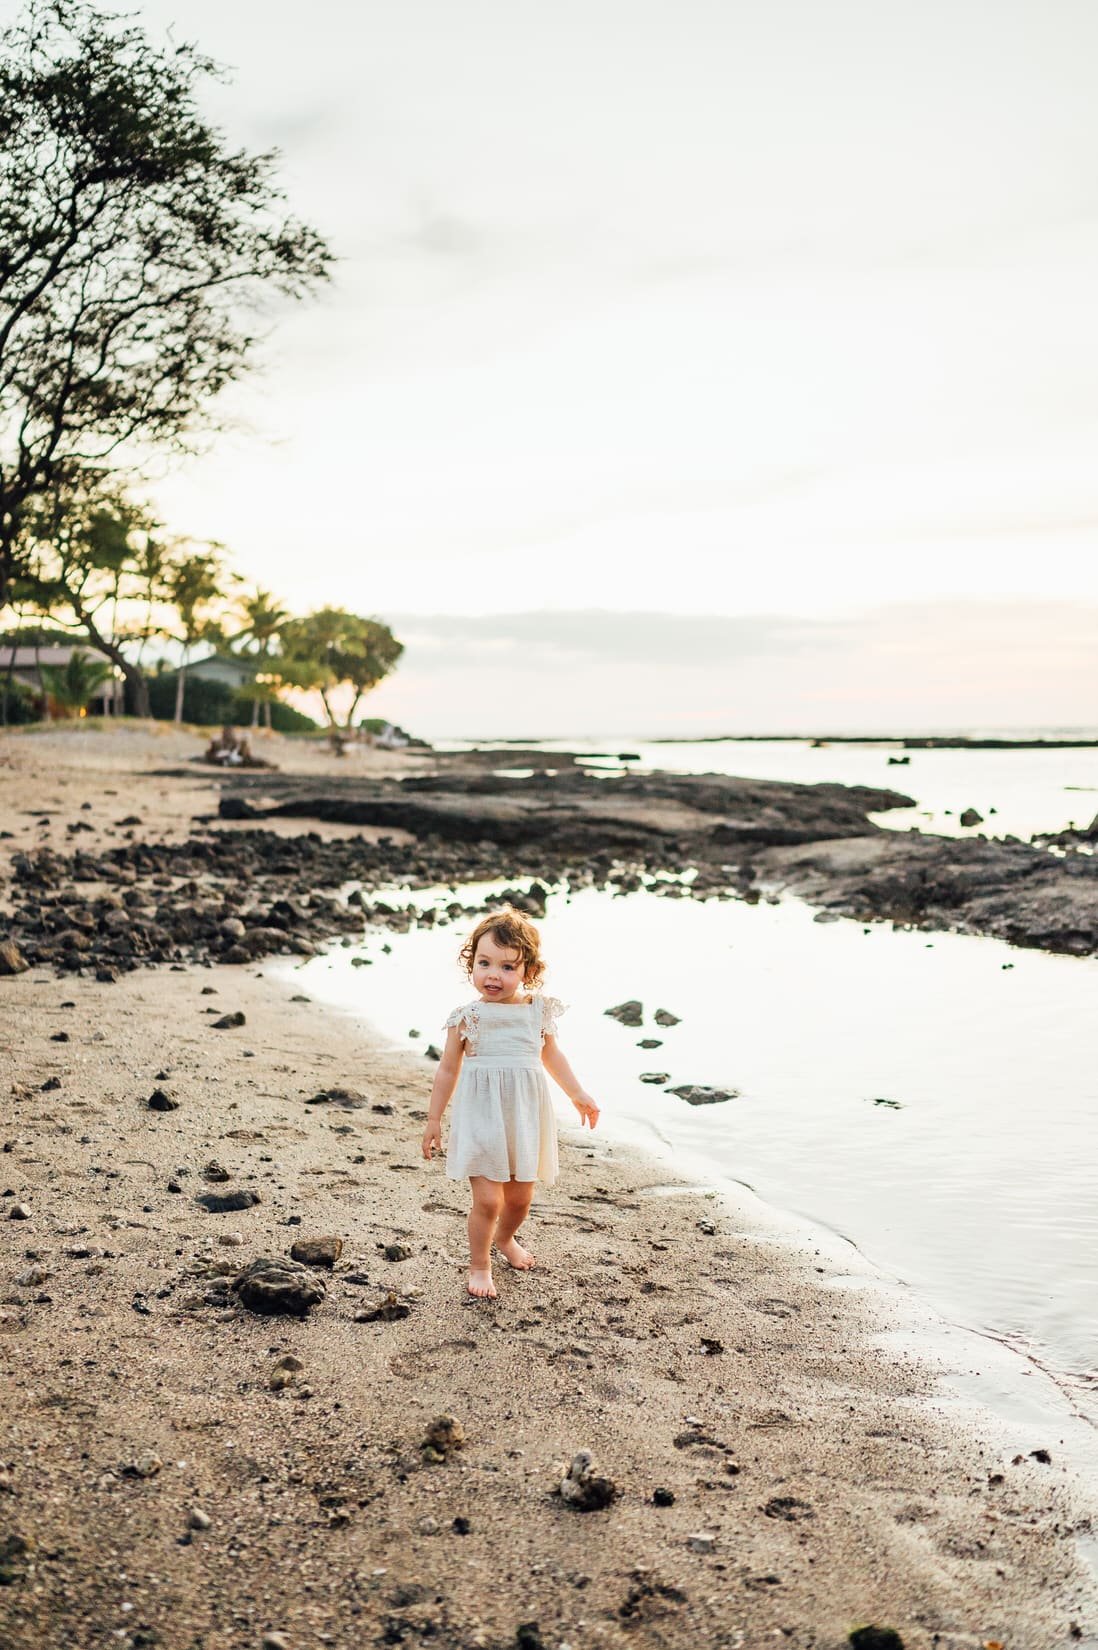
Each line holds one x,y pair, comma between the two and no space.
777,1475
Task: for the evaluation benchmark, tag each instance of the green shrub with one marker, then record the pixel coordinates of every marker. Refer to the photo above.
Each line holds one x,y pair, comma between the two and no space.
214,704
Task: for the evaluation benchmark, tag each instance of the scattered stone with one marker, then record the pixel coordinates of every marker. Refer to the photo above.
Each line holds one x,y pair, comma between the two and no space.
663,1498
461,1526
105,976
789,1508
19,1211
389,1311
318,1251
285,1372
444,1436
32,1278
432,1052
875,1638
198,1519
655,1076
230,1240
300,999
214,1173
584,1489
228,1021
712,1346
397,1251
12,960
16,1554
224,1203
650,1042
59,1037
701,1542
971,817
275,1641
428,1526
699,1094
51,1085
273,1285
161,1100
349,1098
1041,1455
627,1014
145,1465
664,1017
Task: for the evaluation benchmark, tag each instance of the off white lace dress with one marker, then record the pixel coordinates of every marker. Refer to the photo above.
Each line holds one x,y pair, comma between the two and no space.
502,1122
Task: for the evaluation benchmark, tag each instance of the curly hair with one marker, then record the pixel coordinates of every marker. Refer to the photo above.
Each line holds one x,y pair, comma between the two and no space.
513,929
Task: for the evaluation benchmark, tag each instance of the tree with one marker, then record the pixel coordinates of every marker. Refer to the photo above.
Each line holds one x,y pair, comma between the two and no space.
331,648
264,619
194,584
131,240
85,552
75,684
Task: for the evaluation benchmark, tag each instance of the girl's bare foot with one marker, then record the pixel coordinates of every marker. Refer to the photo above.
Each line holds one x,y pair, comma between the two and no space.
521,1259
480,1281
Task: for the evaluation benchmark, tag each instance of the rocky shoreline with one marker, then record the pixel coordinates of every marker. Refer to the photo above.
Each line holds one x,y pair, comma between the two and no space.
236,894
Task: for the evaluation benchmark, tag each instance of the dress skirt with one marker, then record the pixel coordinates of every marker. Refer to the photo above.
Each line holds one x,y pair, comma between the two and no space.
503,1124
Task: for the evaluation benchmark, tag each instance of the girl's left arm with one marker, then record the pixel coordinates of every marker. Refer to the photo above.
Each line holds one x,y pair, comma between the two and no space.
552,1058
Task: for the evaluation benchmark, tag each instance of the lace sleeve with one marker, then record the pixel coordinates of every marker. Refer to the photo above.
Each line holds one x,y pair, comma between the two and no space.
465,1018
551,1009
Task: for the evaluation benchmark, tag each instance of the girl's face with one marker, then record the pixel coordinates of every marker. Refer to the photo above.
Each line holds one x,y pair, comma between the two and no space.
498,970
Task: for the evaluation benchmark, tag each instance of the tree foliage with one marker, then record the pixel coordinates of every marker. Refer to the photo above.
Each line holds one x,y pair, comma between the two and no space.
332,649
132,239
75,684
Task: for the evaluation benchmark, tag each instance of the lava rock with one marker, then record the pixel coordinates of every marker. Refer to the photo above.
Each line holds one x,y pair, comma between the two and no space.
318,1251
224,1203
664,1017
444,1436
584,1489
12,960
655,1076
161,1100
698,1094
627,1014
228,1021
274,1286
971,817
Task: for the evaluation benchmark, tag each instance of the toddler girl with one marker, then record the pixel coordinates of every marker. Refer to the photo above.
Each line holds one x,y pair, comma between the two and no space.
503,1133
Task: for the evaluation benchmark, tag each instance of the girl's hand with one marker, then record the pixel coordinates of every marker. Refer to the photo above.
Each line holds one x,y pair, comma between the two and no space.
589,1112
432,1137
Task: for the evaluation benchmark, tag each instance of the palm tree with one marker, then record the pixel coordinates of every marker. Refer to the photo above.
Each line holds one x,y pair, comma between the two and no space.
194,585
265,619
74,684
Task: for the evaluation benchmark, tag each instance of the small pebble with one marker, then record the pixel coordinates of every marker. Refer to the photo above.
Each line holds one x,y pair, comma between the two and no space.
199,1520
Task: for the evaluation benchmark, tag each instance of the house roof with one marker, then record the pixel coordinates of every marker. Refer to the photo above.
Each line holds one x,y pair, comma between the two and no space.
26,658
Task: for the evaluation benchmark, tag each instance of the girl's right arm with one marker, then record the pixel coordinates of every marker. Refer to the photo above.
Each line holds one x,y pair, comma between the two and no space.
444,1085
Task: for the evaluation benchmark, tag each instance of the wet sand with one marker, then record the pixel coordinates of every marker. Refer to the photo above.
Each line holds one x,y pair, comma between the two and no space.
819,1481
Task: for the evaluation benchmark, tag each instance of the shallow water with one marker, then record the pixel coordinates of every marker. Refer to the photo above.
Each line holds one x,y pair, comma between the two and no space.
977,1186
1018,792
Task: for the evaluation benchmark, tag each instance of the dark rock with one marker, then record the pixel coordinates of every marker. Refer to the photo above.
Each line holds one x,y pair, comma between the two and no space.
971,817
59,1037
663,1498
224,1203
397,1251
105,976
273,1285
214,1173
650,1042
875,1638
318,1251
443,1438
584,1489
697,1094
350,1099
655,1076
161,1100
664,1017
389,1311
627,1014
432,1053
228,1021
51,1084
12,960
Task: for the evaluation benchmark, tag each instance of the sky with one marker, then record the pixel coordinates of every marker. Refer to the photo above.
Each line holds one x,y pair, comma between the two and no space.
715,362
